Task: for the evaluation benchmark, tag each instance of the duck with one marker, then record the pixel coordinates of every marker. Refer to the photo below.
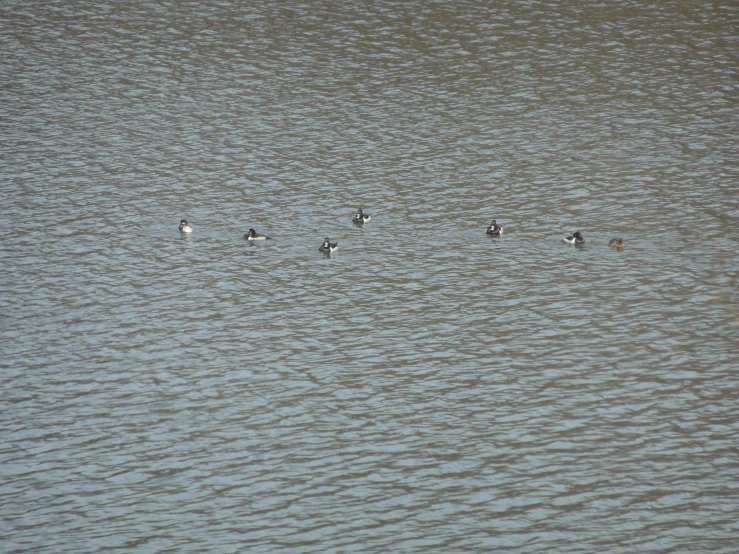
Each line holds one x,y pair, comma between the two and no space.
184,227
361,217
617,243
494,230
328,246
574,238
253,235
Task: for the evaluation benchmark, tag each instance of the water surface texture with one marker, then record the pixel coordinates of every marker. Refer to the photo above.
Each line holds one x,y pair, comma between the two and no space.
426,388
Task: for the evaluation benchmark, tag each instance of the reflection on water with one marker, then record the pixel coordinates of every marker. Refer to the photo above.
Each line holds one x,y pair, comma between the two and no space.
424,388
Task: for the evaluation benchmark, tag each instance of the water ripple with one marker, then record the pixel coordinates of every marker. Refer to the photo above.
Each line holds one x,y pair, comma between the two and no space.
425,388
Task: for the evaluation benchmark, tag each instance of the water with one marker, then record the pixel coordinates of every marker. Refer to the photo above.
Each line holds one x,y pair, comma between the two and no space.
425,388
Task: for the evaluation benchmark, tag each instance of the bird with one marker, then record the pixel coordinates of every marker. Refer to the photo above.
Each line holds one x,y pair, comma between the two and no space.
328,246
494,230
574,238
253,235
361,217
184,227
617,243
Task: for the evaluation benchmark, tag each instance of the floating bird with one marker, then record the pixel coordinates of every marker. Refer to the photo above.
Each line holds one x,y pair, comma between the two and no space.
184,227
361,217
494,230
617,243
253,235
575,238
328,246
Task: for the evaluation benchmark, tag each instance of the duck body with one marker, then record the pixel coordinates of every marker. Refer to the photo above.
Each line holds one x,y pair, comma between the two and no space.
184,227
617,243
328,246
494,230
361,217
575,238
253,235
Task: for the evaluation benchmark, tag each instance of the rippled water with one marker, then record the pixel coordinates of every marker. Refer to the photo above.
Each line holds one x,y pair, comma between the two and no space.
425,388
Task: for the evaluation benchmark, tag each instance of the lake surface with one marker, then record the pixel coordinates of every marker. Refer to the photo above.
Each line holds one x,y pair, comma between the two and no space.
425,388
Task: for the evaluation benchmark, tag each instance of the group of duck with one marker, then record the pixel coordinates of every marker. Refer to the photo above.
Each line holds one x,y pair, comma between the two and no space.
493,230
576,238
